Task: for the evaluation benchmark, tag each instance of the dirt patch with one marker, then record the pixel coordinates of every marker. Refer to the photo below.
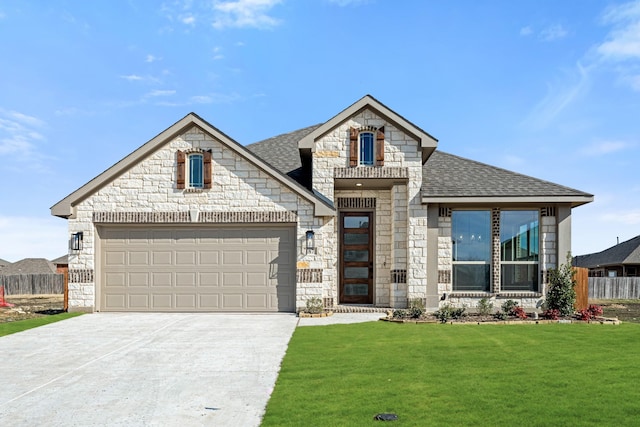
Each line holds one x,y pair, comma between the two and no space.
625,310
31,306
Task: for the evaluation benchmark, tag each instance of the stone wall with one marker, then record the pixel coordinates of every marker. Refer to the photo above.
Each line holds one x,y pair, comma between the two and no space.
238,186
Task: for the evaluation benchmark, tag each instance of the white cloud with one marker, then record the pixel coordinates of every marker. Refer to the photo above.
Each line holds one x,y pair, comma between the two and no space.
244,14
605,147
526,31
32,237
630,217
155,93
621,48
188,20
19,133
558,98
554,32
151,58
132,77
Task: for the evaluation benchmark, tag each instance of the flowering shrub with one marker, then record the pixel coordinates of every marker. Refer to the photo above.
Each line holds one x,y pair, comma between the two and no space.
590,313
551,313
595,310
518,312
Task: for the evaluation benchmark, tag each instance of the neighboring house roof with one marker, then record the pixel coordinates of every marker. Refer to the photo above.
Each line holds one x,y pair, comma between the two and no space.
3,262
624,253
447,179
29,266
427,143
64,208
64,259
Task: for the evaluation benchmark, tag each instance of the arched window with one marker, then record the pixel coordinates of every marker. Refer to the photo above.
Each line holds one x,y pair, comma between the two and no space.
366,146
194,169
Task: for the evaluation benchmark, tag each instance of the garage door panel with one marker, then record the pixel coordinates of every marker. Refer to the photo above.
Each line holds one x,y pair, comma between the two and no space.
138,279
162,258
197,268
161,301
138,301
161,279
209,302
209,279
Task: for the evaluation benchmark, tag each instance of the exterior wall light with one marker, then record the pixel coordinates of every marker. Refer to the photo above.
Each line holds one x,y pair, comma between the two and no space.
311,241
76,241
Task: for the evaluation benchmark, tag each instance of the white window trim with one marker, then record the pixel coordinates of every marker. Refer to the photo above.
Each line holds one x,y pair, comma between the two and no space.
188,183
373,149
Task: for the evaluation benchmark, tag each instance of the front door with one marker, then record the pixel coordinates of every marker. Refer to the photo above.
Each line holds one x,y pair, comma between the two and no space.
356,257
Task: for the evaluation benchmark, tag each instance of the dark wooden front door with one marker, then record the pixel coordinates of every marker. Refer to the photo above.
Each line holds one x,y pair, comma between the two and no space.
356,257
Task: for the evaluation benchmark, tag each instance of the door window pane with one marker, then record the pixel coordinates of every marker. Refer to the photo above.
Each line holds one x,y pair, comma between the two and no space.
356,289
356,239
356,222
350,256
356,272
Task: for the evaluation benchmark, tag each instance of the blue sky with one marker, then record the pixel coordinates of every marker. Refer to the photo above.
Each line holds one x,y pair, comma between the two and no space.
546,88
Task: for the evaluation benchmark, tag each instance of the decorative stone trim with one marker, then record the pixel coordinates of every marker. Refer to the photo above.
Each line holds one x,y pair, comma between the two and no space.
185,217
80,276
399,276
495,236
548,211
444,212
444,276
309,275
371,172
471,295
519,295
327,302
356,202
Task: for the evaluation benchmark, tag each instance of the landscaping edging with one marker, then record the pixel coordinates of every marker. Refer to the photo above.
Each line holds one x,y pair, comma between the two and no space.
325,314
600,320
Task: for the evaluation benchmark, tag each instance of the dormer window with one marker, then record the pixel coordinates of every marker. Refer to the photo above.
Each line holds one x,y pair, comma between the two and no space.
366,146
194,170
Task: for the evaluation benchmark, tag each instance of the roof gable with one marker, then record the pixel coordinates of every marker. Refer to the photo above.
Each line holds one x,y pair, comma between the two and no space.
425,141
449,178
64,208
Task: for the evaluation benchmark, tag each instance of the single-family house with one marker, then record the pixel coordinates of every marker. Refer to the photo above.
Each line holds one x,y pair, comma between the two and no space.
361,209
29,266
621,260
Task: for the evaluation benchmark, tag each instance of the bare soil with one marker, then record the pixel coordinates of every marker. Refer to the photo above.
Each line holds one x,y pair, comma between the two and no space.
31,306
624,310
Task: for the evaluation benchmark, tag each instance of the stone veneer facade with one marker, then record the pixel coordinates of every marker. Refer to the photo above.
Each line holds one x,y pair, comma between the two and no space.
244,193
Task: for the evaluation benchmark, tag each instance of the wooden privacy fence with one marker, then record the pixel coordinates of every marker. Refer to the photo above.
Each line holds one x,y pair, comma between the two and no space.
32,284
614,287
582,288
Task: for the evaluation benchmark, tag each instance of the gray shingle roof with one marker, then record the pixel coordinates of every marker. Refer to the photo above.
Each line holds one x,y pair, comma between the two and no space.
444,175
624,253
29,266
281,151
64,259
3,262
453,176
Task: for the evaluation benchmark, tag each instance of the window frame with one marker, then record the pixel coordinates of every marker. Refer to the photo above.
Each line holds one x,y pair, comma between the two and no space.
488,262
504,263
189,182
372,148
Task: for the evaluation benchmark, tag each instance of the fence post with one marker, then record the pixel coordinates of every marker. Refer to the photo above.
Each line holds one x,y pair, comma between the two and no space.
582,288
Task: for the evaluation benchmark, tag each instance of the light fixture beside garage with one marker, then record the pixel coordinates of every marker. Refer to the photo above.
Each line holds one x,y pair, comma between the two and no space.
76,241
311,241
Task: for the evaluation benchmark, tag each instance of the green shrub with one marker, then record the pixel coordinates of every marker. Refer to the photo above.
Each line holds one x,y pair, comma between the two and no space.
508,306
416,308
399,313
500,315
485,307
314,305
561,294
447,312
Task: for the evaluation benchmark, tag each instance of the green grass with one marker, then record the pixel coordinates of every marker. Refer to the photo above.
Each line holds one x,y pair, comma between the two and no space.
22,325
444,375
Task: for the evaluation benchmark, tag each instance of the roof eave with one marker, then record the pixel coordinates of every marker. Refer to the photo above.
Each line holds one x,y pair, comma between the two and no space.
575,201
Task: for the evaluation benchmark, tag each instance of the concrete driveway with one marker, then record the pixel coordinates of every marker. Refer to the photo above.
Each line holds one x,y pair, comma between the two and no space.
143,369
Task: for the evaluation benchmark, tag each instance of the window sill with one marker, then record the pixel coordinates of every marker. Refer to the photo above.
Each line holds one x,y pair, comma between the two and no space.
511,294
194,190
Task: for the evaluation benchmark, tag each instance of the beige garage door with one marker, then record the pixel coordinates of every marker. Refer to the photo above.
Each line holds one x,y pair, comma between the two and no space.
197,268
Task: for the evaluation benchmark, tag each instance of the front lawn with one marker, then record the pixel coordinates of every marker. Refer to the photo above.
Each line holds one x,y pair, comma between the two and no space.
444,375
23,325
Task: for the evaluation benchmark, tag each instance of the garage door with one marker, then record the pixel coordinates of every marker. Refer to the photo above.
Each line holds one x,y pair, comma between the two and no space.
197,268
